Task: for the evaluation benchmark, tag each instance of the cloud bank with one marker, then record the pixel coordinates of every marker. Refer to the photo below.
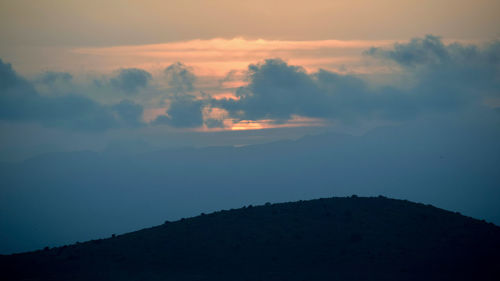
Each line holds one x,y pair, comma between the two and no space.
20,101
446,78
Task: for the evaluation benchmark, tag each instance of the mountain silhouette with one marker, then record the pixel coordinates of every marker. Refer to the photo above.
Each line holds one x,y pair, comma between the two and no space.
354,238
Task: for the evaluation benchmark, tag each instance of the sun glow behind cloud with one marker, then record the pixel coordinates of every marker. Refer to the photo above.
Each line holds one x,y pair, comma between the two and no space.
220,66
244,125
296,121
226,60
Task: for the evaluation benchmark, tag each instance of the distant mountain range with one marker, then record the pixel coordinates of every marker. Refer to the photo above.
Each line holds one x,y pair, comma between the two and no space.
356,238
66,197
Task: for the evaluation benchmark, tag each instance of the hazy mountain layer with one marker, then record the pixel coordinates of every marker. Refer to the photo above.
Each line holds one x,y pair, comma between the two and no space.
95,194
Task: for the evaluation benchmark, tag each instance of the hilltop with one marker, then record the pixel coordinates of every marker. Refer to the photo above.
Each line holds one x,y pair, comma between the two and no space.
355,238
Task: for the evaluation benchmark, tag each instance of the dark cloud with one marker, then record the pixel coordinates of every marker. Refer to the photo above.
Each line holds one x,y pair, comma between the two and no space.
184,112
180,77
9,78
278,91
427,50
130,80
19,101
431,52
448,77
469,66
350,99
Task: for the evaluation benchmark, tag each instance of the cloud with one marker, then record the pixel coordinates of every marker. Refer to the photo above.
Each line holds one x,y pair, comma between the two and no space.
130,80
19,101
8,77
279,91
419,51
53,83
184,112
52,77
448,77
180,78
430,51
429,57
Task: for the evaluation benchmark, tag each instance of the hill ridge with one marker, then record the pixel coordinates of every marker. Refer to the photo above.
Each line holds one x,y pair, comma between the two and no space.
339,238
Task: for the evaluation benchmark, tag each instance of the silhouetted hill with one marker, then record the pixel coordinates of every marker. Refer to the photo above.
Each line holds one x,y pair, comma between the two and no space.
355,238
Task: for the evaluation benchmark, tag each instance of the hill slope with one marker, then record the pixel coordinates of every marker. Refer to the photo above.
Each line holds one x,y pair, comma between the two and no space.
325,239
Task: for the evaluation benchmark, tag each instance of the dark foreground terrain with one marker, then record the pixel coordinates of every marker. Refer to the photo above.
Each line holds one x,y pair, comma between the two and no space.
326,239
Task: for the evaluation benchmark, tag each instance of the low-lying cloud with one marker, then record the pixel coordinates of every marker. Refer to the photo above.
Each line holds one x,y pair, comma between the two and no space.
20,101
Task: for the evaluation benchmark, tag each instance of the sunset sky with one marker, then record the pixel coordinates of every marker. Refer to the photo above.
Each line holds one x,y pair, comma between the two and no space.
182,67
243,97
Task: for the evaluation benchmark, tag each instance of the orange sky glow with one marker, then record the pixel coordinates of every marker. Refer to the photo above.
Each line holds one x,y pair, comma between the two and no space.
216,57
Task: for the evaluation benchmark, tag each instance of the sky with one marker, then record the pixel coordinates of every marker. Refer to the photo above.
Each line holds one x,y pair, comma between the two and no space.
187,85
